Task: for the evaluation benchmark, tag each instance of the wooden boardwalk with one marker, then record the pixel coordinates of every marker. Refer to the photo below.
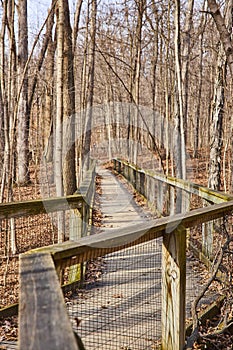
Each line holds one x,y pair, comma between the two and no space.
117,203
122,308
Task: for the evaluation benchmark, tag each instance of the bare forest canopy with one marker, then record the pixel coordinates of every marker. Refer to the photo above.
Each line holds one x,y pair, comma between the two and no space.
147,80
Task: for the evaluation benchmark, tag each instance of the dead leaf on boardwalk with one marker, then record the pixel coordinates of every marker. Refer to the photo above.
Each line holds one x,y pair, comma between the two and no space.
118,296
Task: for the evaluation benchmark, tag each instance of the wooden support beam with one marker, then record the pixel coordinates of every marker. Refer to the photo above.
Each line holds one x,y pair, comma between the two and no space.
173,289
43,318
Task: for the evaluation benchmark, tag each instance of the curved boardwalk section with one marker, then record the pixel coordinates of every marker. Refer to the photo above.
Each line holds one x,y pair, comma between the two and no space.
117,203
120,307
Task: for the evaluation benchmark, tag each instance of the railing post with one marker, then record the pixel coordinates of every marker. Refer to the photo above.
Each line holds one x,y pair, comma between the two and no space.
137,181
114,164
134,177
173,289
160,197
125,170
131,176
207,236
43,318
171,201
119,167
142,183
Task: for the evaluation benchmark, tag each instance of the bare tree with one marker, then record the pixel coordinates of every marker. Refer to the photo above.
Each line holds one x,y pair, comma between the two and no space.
225,34
69,176
186,53
23,112
180,157
90,89
4,105
49,93
224,56
200,81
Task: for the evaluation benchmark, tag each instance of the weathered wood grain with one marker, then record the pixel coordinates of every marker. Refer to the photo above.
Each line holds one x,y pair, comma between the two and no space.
173,289
112,241
43,319
47,205
39,206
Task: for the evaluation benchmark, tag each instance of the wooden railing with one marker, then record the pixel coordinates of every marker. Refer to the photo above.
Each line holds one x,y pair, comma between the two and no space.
39,266
43,319
140,178
77,211
155,187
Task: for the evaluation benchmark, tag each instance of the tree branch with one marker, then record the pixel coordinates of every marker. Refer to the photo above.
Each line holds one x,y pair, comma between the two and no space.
195,334
225,36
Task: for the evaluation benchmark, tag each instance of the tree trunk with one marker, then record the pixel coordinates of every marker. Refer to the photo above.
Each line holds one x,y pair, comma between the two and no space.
2,141
76,23
179,113
48,116
179,132
59,114
4,108
200,84
225,55
225,34
90,90
136,77
69,177
23,115
185,62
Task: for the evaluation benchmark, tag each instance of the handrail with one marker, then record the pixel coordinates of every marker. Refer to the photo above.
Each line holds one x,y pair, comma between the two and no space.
136,233
45,261
191,187
43,319
39,206
49,205
174,197
68,253
80,207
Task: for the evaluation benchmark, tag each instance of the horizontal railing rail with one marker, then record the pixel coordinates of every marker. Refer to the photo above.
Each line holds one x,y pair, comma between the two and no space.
33,223
40,206
110,241
168,195
190,187
69,253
